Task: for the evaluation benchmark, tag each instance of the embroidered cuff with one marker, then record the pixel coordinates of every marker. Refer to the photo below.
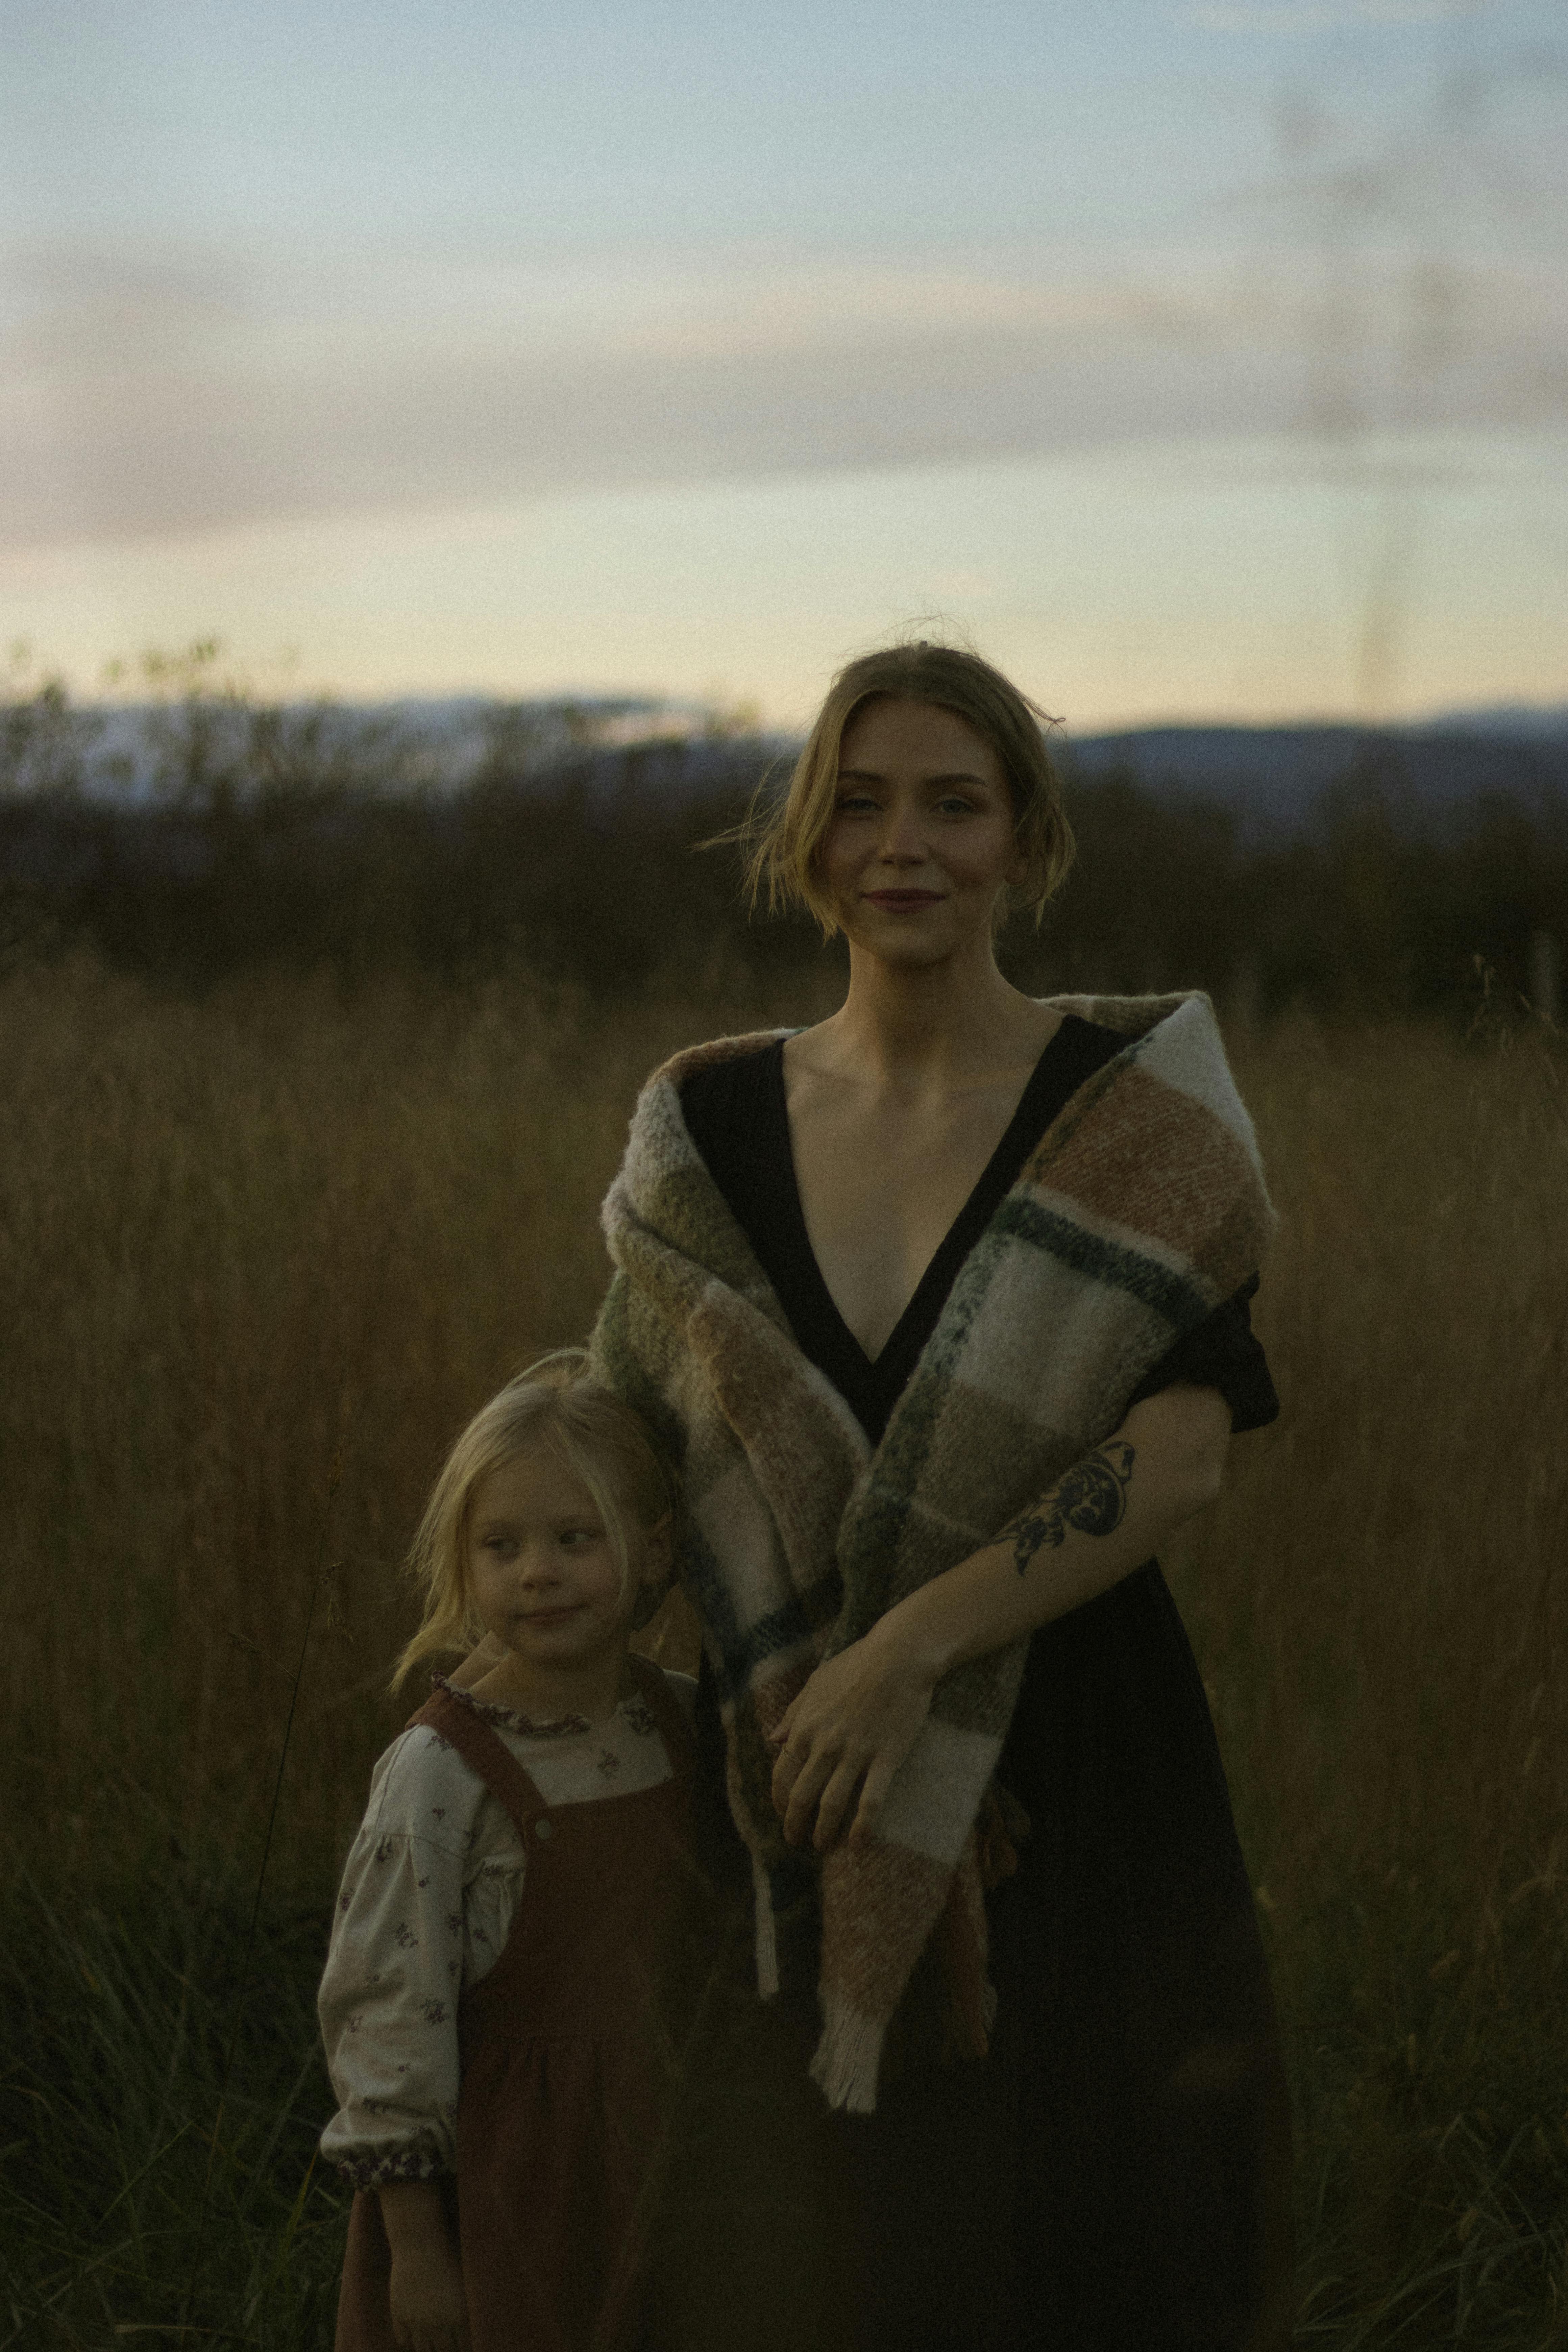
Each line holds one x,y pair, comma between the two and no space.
417,2160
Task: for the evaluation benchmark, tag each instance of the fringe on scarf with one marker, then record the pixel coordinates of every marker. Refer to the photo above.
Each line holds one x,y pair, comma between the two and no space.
848,2055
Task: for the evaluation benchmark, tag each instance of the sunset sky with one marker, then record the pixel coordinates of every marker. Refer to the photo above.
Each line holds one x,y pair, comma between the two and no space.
1196,359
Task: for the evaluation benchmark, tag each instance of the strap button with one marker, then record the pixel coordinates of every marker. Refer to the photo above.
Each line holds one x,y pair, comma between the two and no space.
544,1827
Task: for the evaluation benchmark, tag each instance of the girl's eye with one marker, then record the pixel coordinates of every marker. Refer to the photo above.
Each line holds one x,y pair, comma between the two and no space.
854,804
574,1538
955,805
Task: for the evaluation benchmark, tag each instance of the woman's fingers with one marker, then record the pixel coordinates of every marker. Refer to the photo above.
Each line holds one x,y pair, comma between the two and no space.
827,1785
854,1721
833,1802
786,1772
797,1783
786,1724
811,1777
873,1794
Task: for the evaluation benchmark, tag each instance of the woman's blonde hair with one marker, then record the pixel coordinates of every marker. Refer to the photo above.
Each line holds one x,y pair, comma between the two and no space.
602,1442
784,837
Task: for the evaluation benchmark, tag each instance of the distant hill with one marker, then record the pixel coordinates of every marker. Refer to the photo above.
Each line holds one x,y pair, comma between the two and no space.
1272,778
211,836
1269,778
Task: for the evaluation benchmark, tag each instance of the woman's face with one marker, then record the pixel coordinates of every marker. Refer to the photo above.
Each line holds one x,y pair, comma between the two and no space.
922,836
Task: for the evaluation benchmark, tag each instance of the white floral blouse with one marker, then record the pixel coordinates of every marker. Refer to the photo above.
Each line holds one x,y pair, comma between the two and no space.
427,1899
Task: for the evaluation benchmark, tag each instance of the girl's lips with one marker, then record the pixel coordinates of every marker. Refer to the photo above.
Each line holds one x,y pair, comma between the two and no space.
904,897
551,1616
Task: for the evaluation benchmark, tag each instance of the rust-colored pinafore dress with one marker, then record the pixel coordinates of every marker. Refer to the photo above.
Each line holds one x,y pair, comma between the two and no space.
570,2051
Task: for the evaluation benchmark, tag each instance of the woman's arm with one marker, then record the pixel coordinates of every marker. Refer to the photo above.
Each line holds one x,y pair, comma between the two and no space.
858,1717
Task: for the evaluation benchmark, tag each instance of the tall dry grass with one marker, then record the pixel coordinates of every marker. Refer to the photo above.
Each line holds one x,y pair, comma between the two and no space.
1380,1605
242,1240
248,1239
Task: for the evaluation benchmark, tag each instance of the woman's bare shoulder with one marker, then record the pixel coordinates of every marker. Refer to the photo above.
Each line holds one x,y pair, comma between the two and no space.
685,1062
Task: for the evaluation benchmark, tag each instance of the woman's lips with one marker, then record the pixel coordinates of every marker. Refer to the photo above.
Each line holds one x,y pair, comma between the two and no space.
905,897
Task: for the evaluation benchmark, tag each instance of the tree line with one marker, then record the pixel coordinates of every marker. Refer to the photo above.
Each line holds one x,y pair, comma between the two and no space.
259,835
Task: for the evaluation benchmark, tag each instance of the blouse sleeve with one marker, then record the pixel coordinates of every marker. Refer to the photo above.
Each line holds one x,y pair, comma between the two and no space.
388,2001
1222,1352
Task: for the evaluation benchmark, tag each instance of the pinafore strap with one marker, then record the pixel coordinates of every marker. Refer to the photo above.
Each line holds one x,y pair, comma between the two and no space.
488,1758
492,1761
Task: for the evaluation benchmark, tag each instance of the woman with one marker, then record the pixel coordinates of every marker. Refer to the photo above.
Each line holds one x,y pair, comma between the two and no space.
944,1302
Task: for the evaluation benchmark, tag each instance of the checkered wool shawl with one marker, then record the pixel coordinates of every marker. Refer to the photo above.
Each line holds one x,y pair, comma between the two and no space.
1138,1212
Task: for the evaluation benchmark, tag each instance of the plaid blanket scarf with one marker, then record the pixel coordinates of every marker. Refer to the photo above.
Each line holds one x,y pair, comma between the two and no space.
1139,1210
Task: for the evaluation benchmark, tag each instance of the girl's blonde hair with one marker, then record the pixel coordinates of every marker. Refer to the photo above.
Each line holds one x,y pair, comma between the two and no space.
785,838
602,1442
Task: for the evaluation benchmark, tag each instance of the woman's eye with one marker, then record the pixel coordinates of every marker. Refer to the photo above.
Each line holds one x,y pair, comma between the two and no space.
854,804
955,805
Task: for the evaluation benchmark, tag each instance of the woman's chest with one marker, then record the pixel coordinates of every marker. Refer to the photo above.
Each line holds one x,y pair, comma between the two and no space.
880,1186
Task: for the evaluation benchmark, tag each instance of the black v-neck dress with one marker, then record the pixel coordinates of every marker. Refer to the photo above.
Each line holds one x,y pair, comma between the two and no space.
737,1116
1112,2177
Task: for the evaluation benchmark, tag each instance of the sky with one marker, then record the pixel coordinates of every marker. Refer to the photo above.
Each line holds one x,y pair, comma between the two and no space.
1194,360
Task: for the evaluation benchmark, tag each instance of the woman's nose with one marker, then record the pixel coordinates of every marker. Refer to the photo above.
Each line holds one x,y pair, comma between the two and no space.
903,837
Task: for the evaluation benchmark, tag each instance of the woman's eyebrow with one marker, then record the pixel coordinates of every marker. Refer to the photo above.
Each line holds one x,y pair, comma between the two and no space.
873,776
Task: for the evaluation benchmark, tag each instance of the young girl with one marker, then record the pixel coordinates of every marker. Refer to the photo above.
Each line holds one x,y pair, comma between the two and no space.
494,2005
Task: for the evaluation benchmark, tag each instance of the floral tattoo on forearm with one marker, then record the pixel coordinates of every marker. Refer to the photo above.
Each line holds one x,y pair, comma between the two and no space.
1091,1497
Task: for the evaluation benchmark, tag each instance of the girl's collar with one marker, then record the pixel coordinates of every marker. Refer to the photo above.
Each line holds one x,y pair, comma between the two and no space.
512,1719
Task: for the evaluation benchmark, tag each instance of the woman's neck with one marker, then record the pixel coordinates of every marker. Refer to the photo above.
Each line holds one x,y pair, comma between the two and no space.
914,1028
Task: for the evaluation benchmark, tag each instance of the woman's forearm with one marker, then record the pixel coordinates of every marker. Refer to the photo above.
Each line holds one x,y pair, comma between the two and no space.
844,1736
1104,1518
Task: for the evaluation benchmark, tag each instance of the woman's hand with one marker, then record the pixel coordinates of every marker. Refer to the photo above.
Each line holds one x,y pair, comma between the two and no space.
848,1730
858,1717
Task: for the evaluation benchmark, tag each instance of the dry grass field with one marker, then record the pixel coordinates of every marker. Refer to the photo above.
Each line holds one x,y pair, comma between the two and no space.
262,1254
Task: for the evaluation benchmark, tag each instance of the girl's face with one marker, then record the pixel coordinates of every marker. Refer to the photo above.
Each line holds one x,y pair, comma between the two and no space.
921,838
542,1568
